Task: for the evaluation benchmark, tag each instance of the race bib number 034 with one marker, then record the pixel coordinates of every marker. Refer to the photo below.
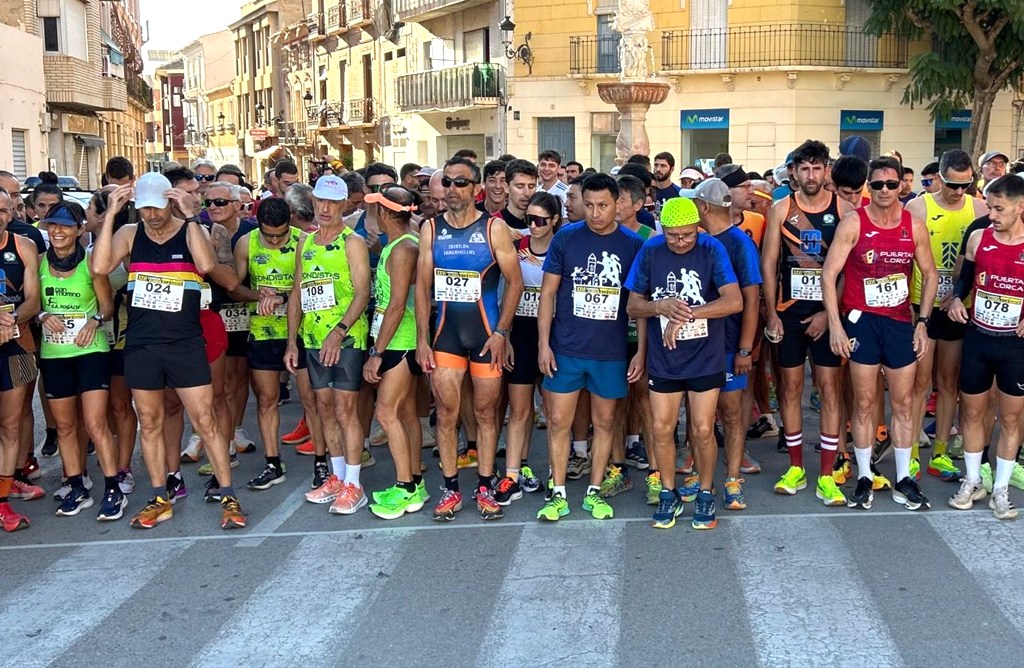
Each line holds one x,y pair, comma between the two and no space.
805,284
318,295
886,291
158,293
595,303
997,311
235,317
456,286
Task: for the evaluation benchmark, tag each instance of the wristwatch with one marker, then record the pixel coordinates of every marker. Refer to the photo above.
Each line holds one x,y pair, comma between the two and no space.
502,332
923,320
98,318
192,219
743,352
374,352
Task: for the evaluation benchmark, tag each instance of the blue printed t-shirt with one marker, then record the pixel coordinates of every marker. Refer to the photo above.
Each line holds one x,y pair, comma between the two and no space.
694,277
747,266
590,307
664,194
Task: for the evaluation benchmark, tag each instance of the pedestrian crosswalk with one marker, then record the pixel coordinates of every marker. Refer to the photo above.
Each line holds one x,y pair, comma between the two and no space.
784,590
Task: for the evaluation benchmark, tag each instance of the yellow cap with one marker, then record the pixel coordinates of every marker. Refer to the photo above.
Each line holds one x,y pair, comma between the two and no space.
678,212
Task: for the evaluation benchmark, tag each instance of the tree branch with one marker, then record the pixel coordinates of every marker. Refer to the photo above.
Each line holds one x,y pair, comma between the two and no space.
920,21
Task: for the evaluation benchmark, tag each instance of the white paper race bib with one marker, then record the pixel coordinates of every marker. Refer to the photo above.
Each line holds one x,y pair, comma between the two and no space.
158,293
378,318
885,291
529,303
108,330
205,296
318,295
73,324
805,284
595,303
997,311
281,310
235,317
945,286
9,308
698,329
456,286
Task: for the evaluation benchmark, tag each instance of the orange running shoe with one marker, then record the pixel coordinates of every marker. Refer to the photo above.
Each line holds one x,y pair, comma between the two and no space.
156,511
298,435
326,492
451,503
231,516
26,491
350,500
306,448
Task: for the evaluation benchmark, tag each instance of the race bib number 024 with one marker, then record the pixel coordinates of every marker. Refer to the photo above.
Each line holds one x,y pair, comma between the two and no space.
997,311
456,286
595,303
158,293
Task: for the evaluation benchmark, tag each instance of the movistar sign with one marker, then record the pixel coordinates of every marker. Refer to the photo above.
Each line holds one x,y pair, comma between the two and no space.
860,120
958,120
703,119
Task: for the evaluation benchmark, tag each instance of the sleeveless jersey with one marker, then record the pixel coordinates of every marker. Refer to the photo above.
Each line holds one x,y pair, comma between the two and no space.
878,269
12,293
806,237
272,268
405,336
326,292
164,290
753,224
998,285
532,267
466,274
946,232
73,299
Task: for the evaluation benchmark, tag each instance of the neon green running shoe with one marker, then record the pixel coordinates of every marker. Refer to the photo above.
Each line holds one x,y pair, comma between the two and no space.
1017,477
397,504
387,495
915,469
792,481
553,509
653,488
616,481
597,506
829,492
986,476
943,468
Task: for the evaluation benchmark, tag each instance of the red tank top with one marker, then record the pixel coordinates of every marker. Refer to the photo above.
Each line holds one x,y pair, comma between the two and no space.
998,284
879,267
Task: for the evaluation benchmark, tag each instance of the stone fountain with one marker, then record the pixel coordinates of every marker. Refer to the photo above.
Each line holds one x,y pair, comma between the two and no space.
633,94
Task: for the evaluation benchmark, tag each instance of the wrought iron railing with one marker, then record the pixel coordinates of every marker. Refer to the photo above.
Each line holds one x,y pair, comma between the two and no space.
363,111
292,133
357,11
406,9
593,54
326,114
140,91
451,88
335,17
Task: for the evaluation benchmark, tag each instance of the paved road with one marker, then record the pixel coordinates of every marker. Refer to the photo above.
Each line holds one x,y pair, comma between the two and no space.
786,583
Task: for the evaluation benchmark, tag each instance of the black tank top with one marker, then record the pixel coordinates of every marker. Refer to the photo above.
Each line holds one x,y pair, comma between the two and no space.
171,265
806,237
12,290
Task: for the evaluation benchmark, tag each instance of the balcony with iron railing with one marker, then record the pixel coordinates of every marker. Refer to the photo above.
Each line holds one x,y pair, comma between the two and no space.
326,114
292,133
593,54
363,111
423,10
335,18
194,138
317,27
358,13
451,88
139,91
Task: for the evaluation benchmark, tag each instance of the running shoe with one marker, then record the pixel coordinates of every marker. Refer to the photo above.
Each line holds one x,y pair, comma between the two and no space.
125,481
636,456
670,506
616,481
527,480
507,491
734,498
687,466
231,515
654,488
284,395
943,468
485,503
773,401
298,435
207,468
467,460
31,469
242,441
815,400
395,502
175,487
749,465
792,481
112,507
349,500
690,488
193,452
50,444
1001,506
270,476
704,511
367,460
828,492
955,447
429,436
986,477
156,511
65,488
863,496
212,492
878,481
451,503
594,504
26,491
378,436
321,472
1017,476
763,428
915,469
327,492
969,492
908,493
554,508
90,448
883,446
929,406
305,448
842,470
422,493
75,502
10,519
578,466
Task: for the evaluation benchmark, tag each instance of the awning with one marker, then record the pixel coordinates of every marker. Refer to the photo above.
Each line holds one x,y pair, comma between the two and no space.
266,153
116,57
91,141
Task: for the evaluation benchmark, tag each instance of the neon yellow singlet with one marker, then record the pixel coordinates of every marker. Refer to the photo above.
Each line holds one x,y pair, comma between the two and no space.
946,231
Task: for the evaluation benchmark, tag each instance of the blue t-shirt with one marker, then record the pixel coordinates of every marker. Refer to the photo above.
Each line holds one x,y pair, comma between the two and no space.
694,277
590,307
662,195
747,266
645,217
782,192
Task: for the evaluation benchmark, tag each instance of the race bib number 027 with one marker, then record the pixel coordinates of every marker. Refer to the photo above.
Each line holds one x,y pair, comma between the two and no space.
158,293
456,286
595,303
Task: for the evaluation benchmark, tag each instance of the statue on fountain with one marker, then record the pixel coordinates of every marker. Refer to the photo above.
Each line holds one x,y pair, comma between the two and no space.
633,21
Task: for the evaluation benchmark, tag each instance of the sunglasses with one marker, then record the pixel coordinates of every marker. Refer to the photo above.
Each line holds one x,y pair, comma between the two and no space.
891,185
220,201
927,182
539,221
381,187
269,235
247,206
953,185
206,177
459,181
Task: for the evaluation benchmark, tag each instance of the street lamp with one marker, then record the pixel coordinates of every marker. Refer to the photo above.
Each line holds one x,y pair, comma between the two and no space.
259,112
308,97
523,52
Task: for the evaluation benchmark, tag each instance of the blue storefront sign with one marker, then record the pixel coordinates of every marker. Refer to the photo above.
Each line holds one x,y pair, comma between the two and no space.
958,120
703,119
861,120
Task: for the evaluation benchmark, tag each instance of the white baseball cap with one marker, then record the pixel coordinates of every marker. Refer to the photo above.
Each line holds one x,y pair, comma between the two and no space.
150,189
330,187
712,191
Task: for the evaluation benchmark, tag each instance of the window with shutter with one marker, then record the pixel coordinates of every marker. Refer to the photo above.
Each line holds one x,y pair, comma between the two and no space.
76,29
20,162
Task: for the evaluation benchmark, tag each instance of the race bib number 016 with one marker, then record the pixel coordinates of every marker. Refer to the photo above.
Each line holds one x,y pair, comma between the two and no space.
158,293
235,317
997,311
886,291
456,286
73,324
805,284
9,308
595,303
318,295
529,303
698,329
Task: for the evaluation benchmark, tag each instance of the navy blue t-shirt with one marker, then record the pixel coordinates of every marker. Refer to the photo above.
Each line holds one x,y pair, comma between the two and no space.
590,307
694,277
747,266
664,194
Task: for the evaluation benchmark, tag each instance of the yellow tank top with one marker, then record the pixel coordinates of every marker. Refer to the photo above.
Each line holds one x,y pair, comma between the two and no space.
946,231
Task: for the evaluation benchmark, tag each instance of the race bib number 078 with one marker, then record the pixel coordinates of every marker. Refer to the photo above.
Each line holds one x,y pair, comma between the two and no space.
997,311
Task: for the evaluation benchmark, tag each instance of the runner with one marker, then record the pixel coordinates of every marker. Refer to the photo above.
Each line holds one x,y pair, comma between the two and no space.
681,288
582,340
495,189
875,248
463,253
521,180
548,163
164,345
664,163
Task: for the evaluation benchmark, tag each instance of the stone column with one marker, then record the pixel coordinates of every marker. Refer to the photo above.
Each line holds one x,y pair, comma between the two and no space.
632,99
